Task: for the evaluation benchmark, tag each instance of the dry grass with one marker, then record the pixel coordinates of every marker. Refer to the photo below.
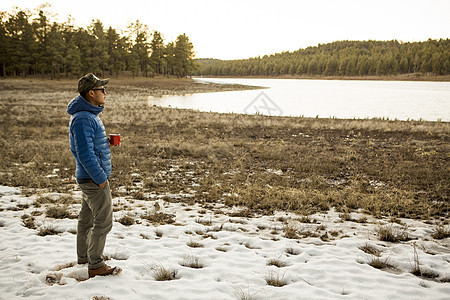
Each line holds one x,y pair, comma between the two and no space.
206,222
418,270
192,261
389,233
59,200
441,233
276,280
290,231
28,221
194,244
292,251
48,230
245,295
378,263
162,274
369,249
378,167
118,254
416,267
139,196
59,212
159,218
276,262
158,233
222,248
126,220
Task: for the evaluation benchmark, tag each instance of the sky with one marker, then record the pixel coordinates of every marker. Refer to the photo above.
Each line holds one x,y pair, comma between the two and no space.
236,29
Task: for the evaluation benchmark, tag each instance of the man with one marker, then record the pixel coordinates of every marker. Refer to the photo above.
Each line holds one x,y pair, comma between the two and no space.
90,148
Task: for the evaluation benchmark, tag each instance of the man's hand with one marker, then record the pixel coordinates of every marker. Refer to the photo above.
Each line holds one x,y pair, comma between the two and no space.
102,185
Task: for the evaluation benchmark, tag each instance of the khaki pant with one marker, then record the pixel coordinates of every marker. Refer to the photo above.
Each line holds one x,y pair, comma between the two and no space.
94,223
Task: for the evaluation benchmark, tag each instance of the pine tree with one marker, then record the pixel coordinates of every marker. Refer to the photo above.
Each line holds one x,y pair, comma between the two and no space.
4,42
169,54
99,48
41,57
140,50
117,51
21,39
56,49
73,53
157,60
183,56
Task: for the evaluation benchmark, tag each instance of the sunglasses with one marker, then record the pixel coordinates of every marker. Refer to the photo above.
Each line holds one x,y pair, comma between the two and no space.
100,89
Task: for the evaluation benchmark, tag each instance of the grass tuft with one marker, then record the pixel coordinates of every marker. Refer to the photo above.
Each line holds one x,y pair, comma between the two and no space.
390,234
192,261
206,222
158,233
369,249
59,212
159,218
418,271
118,254
276,262
245,295
162,274
126,220
139,195
290,231
441,233
222,249
28,221
276,280
292,251
194,244
377,262
48,230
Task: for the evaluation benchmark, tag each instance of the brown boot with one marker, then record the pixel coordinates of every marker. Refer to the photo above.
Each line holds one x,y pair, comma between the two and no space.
104,271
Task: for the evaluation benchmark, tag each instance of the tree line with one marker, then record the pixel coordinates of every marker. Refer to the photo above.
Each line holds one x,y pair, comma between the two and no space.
342,58
30,43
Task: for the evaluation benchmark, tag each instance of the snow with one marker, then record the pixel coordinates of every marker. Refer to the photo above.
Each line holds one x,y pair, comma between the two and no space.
232,254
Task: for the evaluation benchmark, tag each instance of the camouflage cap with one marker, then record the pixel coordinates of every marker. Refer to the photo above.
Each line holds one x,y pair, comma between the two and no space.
90,81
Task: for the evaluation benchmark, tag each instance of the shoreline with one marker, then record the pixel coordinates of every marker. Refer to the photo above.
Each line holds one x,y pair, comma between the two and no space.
134,89
138,86
405,77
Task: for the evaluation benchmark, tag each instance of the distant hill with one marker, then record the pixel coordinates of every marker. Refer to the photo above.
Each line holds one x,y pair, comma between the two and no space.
341,58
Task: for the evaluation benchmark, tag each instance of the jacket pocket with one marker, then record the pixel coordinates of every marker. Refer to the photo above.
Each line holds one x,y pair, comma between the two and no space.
98,157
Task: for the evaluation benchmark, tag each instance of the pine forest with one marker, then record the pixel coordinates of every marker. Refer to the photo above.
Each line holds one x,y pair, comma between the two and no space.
342,58
30,43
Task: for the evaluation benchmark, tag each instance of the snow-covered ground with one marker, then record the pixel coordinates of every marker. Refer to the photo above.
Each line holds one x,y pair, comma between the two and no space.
234,257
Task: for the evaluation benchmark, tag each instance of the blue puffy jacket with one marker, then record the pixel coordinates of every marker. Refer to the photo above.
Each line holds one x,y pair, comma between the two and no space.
88,141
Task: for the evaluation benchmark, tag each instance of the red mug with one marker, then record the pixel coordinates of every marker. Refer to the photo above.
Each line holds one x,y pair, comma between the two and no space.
114,139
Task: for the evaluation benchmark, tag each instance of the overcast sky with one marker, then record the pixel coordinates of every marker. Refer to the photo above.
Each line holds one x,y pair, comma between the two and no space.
241,29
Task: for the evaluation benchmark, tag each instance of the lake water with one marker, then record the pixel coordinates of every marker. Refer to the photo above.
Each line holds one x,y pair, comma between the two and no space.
400,100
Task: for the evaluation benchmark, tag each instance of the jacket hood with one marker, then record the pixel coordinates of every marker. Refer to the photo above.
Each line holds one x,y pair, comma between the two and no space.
80,104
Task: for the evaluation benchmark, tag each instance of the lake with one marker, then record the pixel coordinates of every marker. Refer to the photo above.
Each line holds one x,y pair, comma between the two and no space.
400,100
